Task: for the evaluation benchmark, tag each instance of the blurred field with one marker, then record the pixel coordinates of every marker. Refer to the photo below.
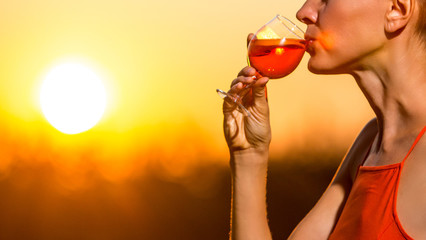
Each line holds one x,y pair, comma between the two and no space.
35,204
155,167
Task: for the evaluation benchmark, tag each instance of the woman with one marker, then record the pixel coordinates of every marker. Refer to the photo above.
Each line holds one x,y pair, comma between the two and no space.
379,190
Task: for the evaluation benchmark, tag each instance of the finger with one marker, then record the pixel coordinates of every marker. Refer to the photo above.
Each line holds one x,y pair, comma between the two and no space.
249,37
228,106
259,87
247,72
261,82
243,80
241,85
236,88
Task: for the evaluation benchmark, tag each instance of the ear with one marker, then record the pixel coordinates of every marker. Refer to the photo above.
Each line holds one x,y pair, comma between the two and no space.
398,14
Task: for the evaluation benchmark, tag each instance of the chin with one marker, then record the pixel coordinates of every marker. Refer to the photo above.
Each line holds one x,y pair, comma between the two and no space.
317,66
322,69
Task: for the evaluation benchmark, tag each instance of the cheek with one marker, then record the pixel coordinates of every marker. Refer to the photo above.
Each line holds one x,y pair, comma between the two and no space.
357,38
347,33
347,20
327,40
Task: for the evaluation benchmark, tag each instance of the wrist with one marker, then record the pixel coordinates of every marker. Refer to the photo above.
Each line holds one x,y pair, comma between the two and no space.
250,158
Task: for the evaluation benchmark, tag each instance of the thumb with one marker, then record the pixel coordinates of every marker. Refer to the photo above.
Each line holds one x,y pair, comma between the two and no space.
249,37
259,88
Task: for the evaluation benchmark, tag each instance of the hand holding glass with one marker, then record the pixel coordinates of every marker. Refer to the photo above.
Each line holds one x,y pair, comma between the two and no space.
274,51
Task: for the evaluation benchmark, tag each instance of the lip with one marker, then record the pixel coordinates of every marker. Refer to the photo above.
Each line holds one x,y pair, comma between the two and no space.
309,43
309,38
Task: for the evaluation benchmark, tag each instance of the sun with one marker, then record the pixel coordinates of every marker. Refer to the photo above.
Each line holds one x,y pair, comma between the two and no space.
72,98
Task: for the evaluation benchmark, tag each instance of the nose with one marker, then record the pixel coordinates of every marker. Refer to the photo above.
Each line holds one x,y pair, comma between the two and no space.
308,13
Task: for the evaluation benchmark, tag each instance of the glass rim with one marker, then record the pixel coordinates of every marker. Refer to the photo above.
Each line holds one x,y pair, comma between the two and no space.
285,21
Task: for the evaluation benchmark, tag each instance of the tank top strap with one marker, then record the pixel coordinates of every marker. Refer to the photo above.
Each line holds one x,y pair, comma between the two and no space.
414,144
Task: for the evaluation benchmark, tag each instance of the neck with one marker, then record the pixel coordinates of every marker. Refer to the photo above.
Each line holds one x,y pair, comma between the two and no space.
394,83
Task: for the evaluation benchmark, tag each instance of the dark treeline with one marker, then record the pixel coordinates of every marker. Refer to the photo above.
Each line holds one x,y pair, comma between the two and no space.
152,206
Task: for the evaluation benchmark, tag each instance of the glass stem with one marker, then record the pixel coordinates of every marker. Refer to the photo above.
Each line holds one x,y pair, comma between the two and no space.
234,99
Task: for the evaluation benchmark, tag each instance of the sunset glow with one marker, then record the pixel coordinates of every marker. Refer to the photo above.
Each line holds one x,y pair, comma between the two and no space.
159,78
72,98
136,80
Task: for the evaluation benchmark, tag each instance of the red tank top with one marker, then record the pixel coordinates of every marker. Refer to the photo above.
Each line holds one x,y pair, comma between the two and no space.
370,210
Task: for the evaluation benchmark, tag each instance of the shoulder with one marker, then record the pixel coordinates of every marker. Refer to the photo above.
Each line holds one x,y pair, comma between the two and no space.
366,136
360,147
356,154
320,221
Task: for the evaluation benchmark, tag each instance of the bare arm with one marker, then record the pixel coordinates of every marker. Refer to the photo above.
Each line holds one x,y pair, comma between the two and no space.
248,217
248,140
320,221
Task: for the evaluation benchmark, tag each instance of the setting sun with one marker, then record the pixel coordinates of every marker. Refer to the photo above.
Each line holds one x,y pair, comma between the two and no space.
72,98
111,127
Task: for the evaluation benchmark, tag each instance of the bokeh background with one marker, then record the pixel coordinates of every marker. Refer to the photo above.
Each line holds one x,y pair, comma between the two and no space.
156,165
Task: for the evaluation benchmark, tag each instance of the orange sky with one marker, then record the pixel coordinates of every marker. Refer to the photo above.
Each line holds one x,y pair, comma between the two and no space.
161,62
155,166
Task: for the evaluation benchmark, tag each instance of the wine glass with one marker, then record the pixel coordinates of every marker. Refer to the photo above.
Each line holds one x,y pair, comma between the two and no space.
274,51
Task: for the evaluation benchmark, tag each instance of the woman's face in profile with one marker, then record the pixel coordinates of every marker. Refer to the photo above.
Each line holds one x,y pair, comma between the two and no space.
341,34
